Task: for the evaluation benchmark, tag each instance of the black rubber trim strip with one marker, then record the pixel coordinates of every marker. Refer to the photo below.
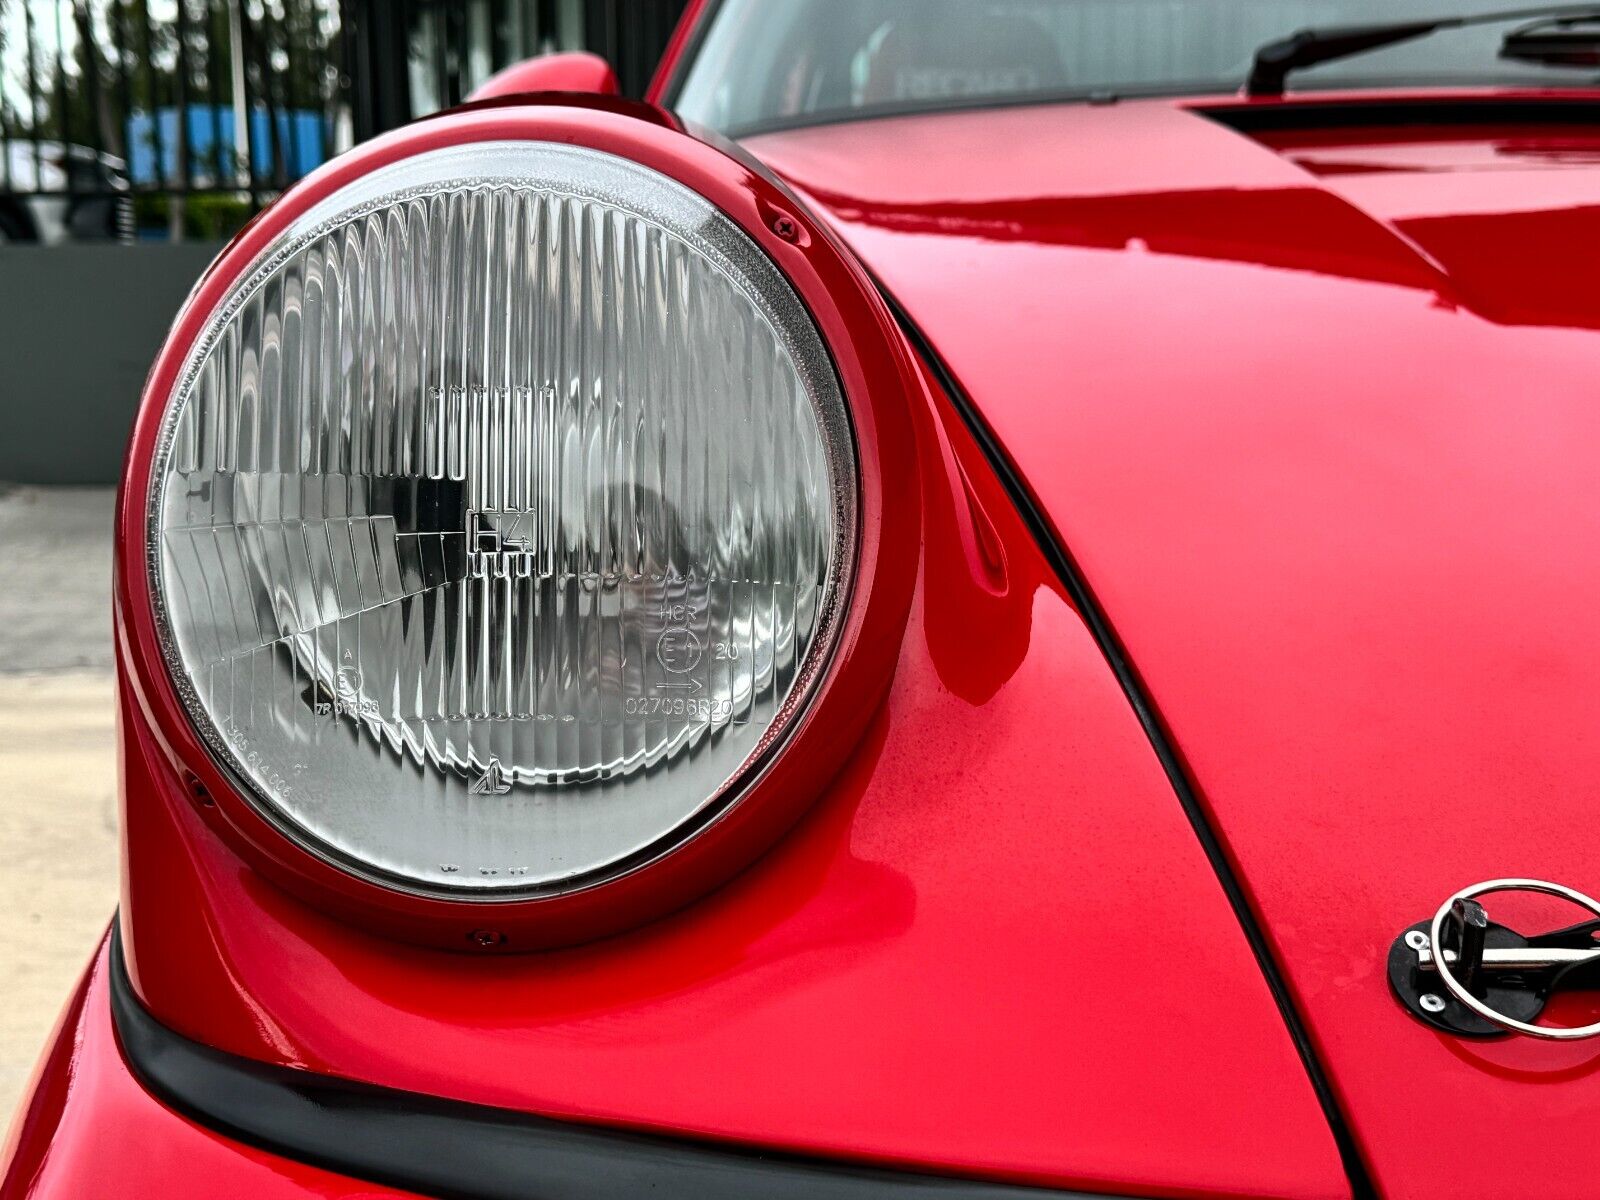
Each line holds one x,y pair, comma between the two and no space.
1055,551
458,1151
1358,113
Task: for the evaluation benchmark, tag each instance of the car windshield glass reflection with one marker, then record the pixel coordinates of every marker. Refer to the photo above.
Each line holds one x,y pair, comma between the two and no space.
774,63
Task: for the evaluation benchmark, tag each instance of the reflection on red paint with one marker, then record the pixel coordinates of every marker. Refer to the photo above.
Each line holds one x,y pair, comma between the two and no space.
920,933
1316,415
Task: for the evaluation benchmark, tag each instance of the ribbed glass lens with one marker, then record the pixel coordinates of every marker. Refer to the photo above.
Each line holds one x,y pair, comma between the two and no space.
501,519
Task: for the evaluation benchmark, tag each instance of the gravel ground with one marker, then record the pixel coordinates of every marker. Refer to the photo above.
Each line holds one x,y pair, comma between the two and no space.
58,790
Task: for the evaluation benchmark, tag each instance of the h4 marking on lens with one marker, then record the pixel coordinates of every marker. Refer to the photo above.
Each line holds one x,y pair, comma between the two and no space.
501,541
492,782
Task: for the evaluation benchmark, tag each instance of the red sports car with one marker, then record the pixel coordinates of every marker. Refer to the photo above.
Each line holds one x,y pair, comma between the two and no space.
956,605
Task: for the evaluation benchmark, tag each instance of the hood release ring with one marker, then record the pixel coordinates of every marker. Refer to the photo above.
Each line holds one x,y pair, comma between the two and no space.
1488,980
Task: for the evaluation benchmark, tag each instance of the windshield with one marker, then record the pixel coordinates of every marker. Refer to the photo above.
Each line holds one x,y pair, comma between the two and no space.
772,63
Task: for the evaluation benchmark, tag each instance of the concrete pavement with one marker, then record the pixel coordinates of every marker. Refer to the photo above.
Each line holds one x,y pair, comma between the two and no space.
58,812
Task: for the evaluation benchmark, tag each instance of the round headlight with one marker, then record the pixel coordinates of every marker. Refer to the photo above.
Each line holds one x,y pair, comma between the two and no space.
502,520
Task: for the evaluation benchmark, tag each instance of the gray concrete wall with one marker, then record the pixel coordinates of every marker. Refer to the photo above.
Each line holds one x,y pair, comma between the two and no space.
79,326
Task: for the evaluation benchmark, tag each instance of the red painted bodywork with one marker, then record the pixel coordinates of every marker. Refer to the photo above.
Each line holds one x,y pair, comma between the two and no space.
688,27
1316,413
908,977
568,71
90,1131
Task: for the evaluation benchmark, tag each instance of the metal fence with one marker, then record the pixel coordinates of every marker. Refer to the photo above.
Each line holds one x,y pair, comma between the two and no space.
631,35
179,118
410,57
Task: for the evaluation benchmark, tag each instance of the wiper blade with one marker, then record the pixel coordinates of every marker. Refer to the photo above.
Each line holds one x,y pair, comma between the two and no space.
1274,61
1556,42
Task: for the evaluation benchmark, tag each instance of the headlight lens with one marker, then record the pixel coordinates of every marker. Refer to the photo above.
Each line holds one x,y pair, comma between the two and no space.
502,519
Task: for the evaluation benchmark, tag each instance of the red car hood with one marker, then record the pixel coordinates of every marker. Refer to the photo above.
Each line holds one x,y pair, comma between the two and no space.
1318,416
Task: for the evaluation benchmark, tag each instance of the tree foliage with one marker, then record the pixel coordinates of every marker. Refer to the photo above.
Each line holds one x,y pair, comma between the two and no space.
115,58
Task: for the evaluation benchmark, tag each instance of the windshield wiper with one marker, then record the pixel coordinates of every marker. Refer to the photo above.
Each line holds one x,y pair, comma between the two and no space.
1275,60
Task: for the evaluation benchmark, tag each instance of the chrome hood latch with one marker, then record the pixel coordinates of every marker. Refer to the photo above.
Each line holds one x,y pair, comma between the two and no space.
1467,975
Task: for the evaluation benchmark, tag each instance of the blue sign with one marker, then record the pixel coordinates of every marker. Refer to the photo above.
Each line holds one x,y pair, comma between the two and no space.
301,135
